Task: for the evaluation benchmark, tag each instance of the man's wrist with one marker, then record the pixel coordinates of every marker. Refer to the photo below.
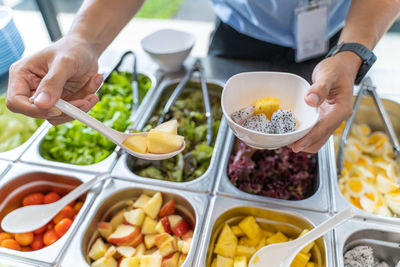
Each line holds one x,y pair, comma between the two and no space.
351,61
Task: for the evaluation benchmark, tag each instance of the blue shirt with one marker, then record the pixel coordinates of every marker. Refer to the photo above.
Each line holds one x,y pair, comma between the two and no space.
273,21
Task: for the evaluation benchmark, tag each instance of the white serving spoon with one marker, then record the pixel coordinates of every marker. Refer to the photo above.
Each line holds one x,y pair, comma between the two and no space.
30,218
115,136
282,254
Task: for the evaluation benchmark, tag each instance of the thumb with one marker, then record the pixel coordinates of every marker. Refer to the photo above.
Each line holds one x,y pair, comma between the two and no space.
318,92
52,85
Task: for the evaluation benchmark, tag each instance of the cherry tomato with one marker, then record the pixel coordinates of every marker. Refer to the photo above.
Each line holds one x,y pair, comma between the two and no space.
72,204
37,242
49,237
62,227
66,212
11,244
26,249
33,199
78,205
24,239
4,236
41,230
50,225
51,197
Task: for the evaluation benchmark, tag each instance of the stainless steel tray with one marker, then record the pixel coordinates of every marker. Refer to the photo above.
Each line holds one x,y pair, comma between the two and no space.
32,178
291,221
116,190
368,114
201,184
15,154
4,165
32,154
318,201
383,238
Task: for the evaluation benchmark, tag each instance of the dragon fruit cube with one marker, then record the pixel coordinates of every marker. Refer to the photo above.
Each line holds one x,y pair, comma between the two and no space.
259,123
242,115
283,121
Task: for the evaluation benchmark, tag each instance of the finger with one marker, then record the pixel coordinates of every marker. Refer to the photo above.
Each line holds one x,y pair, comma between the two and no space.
323,83
84,104
322,130
90,87
52,84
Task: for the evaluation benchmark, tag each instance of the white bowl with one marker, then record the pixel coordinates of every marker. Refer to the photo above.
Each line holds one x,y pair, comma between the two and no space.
169,48
243,89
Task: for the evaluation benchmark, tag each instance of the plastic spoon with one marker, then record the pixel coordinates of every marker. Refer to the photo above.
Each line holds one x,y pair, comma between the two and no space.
115,136
30,218
282,254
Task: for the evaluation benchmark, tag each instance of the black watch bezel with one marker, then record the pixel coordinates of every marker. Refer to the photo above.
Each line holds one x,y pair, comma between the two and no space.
367,56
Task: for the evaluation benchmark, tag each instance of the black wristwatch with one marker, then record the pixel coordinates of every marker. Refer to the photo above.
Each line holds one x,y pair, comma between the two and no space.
367,56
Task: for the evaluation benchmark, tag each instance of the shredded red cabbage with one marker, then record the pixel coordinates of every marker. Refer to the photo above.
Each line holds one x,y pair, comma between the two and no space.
279,173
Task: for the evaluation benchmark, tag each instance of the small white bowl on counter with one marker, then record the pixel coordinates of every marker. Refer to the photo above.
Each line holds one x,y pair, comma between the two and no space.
169,48
243,89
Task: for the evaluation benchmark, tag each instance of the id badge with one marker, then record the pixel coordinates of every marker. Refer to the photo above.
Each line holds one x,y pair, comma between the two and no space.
311,30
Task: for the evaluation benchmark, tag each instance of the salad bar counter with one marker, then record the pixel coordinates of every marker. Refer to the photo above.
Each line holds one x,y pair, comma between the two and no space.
213,204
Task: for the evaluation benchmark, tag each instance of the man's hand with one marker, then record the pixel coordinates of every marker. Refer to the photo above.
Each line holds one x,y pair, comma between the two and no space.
66,69
332,91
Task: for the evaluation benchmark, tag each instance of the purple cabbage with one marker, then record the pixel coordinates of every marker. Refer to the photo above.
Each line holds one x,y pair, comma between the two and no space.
279,173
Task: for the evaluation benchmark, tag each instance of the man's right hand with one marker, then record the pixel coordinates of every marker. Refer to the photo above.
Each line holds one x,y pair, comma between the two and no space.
67,69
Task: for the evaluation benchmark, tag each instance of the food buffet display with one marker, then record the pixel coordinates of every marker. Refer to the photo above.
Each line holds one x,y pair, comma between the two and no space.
212,205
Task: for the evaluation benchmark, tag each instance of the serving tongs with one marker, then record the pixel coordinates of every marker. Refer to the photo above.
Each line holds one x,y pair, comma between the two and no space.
197,67
367,88
135,83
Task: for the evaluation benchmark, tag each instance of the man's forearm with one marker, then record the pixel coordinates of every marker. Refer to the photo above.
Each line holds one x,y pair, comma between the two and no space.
98,22
368,20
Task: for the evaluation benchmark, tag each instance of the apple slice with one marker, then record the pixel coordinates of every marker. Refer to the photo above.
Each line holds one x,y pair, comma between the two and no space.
163,226
153,206
134,243
97,250
168,247
110,252
150,261
170,126
186,246
161,238
124,234
105,262
178,225
135,217
126,251
130,262
136,143
182,259
167,209
105,229
160,142
140,250
149,241
149,226
188,235
118,219
141,201
171,261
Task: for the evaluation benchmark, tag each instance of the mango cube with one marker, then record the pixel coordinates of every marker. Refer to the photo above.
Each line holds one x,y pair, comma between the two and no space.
224,261
250,227
237,231
277,238
227,243
307,248
246,251
301,260
267,106
240,261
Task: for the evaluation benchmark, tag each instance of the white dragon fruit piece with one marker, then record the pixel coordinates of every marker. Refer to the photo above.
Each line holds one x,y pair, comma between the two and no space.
259,123
242,115
283,121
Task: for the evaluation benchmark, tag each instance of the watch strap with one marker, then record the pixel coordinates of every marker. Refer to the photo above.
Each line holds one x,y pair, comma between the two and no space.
367,56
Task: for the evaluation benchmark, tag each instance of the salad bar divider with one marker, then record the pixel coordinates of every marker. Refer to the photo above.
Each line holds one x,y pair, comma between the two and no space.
215,188
114,196
317,199
205,158
24,179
